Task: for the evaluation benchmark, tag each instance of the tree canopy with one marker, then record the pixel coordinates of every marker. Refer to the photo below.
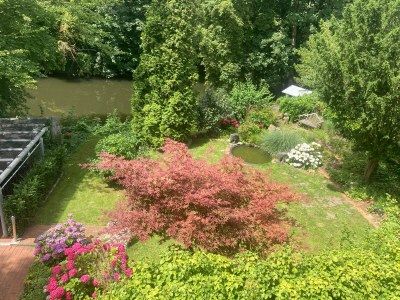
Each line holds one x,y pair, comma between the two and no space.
354,64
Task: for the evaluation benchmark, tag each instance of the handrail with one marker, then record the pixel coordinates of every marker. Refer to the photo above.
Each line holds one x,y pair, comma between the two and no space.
20,156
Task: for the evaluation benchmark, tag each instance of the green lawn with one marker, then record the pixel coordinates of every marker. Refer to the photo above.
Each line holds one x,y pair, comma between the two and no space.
322,219
80,192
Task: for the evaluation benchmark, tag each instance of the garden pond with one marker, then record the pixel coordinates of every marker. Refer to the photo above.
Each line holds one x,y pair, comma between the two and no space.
251,154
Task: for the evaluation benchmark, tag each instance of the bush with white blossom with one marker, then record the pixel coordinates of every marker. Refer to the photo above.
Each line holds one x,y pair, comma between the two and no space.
306,156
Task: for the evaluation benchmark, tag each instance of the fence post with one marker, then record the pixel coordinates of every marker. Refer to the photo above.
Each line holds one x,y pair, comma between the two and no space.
2,218
41,146
14,229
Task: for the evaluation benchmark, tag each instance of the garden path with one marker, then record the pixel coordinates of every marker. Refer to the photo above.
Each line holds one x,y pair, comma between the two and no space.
15,260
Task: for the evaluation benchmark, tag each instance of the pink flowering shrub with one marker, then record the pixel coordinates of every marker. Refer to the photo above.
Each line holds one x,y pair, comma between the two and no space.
50,246
219,207
229,122
87,270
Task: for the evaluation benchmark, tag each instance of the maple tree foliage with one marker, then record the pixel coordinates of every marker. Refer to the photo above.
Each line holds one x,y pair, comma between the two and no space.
220,207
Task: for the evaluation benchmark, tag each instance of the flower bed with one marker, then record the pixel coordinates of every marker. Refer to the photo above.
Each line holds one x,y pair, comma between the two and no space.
50,246
306,156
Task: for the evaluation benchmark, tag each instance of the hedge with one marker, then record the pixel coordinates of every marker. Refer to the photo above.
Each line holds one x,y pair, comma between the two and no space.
368,270
30,193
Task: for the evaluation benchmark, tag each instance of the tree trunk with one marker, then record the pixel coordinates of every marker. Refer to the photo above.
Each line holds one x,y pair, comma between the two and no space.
371,168
294,35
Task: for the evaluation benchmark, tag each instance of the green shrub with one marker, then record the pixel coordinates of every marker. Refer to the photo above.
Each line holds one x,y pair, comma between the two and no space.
280,141
354,273
212,107
125,144
245,96
36,279
112,125
249,132
262,117
30,193
296,106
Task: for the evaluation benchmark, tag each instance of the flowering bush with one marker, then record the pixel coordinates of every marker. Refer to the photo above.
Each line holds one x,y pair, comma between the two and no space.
305,156
87,270
50,246
219,207
229,122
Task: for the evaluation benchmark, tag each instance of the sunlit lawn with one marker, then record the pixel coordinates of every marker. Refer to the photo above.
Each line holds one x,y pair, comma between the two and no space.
322,218
80,192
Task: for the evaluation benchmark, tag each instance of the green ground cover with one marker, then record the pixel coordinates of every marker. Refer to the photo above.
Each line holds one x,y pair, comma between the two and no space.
79,192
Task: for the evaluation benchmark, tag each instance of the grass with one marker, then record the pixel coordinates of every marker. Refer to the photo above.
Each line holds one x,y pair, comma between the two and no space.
323,219
80,192
150,250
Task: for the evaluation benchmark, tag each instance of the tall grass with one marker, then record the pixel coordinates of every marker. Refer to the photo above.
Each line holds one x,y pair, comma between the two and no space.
281,141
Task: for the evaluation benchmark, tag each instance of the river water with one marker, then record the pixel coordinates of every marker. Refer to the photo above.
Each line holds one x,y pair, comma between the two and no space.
55,97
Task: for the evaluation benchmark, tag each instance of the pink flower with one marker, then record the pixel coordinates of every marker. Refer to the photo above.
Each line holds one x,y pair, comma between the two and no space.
64,278
70,264
116,276
72,272
56,270
52,285
68,295
121,248
85,278
128,272
57,293
95,282
94,295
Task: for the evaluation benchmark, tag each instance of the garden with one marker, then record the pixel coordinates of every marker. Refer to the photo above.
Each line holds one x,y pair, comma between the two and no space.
216,186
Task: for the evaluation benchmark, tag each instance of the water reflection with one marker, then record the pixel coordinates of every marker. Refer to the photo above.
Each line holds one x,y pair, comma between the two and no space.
55,96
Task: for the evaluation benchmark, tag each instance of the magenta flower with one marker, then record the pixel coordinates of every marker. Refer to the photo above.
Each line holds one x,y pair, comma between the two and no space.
128,272
56,270
116,276
72,272
85,278
64,278
57,293
95,282
70,264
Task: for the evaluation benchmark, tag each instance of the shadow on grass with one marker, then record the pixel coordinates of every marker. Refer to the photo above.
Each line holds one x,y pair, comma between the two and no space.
80,192
348,177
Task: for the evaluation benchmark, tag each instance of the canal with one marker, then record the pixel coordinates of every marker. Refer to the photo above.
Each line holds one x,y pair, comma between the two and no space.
55,97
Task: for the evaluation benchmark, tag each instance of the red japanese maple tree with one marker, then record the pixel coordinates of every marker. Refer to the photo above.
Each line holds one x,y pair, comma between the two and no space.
221,207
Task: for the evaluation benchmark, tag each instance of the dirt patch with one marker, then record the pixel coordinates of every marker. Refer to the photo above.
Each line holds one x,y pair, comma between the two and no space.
361,206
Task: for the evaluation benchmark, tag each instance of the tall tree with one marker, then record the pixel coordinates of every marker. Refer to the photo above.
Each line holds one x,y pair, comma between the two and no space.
354,64
26,47
163,101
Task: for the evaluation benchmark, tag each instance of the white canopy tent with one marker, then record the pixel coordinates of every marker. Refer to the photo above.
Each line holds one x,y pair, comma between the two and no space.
296,91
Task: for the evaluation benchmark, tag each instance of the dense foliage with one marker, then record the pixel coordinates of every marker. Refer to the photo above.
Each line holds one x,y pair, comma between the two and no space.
366,271
87,270
25,46
363,271
221,208
353,63
297,106
30,193
36,279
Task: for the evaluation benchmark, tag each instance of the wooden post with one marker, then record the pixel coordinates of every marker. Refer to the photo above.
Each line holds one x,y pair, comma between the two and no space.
2,218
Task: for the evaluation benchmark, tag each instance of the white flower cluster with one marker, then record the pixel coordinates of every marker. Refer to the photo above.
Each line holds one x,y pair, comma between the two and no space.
306,156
